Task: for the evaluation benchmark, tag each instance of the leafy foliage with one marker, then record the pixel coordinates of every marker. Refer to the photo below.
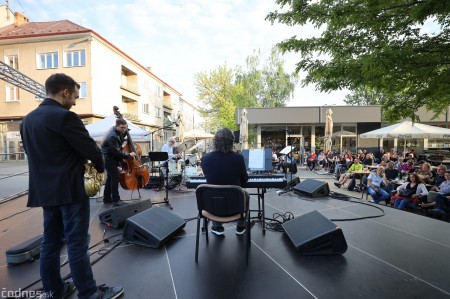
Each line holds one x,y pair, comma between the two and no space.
222,91
376,45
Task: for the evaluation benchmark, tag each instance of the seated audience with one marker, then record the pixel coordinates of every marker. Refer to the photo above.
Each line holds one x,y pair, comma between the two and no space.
348,174
374,185
426,174
413,189
443,189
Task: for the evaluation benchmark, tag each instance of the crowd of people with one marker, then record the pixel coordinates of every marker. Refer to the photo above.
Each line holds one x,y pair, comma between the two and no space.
399,179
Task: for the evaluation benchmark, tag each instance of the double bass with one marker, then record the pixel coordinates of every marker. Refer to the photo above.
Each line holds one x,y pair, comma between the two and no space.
134,175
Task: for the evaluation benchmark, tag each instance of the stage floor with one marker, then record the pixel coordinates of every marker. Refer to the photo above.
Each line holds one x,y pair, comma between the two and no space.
399,255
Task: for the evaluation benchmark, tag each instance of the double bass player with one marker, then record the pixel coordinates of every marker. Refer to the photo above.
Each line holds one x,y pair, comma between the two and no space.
112,151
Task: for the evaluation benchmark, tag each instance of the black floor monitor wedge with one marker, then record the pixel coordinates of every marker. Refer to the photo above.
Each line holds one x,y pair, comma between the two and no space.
116,216
313,188
314,234
152,227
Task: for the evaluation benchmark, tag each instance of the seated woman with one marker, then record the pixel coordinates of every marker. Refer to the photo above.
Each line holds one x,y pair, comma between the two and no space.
426,174
409,192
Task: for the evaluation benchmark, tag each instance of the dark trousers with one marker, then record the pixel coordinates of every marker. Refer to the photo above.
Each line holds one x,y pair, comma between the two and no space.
71,222
240,222
442,202
111,192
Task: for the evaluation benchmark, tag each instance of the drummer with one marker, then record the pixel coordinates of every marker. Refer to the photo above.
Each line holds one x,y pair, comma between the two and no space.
168,148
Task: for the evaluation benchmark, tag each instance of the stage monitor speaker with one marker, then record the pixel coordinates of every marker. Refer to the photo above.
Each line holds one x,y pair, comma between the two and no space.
116,216
152,227
293,182
313,188
314,234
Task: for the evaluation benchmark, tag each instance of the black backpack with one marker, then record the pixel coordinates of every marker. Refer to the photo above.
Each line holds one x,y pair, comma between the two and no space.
352,184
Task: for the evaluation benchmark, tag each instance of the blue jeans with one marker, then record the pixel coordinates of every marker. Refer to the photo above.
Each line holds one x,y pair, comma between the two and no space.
71,222
402,203
379,195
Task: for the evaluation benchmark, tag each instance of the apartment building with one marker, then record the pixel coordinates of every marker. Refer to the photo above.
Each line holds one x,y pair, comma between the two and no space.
108,77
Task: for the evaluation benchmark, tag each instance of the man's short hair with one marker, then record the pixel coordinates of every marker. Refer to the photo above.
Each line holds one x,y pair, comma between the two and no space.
120,122
58,82
171,139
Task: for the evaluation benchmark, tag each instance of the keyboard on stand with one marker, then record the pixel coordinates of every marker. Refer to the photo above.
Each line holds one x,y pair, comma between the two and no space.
254,181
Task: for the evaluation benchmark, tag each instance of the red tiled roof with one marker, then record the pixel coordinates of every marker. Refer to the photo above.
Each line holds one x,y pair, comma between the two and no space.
41,29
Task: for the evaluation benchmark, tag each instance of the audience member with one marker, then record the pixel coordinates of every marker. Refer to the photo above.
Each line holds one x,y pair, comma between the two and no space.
348,174
374,185
414,188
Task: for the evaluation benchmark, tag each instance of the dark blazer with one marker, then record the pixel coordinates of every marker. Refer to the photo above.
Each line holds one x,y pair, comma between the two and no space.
224,169
57,145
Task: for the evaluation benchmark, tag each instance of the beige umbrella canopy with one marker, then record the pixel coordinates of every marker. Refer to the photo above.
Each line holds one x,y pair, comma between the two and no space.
180,128
328,130
243,129
197,135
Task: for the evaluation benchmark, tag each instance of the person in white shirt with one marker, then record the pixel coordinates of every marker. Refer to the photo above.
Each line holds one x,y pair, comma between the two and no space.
374,182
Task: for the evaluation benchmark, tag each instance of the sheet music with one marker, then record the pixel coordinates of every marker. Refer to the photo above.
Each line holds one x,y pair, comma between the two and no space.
256,159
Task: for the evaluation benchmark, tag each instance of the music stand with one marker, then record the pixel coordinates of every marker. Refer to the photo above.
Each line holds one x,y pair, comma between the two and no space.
161,157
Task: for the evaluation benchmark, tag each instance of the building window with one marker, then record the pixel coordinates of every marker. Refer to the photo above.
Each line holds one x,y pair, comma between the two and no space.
145,108
83,93
75,58
157,112
12,61
48,60
12,94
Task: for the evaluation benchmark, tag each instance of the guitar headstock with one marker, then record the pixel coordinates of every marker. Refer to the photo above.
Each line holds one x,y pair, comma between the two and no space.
116,112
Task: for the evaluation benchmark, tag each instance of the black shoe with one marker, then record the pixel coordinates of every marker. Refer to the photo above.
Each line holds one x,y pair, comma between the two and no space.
240,230
337,184
119,203
107,200
68,288
104,292
218,230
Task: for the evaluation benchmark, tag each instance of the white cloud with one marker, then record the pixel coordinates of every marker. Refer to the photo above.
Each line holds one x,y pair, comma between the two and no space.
179,38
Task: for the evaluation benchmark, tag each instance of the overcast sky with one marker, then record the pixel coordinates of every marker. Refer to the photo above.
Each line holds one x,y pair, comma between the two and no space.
178,38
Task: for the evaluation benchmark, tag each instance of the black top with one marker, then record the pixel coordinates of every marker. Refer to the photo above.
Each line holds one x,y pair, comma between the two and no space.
224,169
112,145
392,174
57,145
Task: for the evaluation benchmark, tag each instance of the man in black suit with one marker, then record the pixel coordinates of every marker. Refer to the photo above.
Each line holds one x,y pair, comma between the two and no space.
57,145
225,167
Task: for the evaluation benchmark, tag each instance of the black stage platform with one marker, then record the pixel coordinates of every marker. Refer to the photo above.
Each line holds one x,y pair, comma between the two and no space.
399,255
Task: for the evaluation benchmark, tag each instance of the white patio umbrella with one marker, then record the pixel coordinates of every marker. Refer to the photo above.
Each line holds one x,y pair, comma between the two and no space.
243,129
409,130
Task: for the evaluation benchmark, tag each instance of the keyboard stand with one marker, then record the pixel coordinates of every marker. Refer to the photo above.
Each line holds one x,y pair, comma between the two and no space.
261,208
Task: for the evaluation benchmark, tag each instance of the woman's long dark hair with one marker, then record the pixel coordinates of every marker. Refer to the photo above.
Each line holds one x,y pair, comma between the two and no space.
223,141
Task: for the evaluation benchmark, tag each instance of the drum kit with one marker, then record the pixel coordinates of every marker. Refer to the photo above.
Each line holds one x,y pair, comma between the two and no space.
188,165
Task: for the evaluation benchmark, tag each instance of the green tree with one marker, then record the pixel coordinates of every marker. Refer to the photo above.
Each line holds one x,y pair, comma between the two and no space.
265,84
364,96
222,91
217,96
375,44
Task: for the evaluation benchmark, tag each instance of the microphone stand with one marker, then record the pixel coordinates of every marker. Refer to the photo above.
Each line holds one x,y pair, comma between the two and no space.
288,186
